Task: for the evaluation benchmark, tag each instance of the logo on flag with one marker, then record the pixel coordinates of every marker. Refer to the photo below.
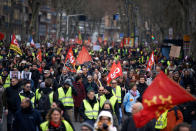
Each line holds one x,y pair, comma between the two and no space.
70,61
116,71
150,62
14,45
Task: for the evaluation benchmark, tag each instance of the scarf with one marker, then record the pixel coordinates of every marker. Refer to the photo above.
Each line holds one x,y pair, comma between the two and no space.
133,93
55,125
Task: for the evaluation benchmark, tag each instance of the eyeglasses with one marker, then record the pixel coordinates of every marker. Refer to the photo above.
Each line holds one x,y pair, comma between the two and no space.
101,90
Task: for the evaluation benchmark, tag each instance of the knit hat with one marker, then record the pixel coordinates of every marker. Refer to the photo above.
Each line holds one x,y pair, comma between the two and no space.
87,125
108,88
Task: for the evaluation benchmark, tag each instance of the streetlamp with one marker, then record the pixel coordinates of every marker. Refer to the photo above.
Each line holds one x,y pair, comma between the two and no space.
67,33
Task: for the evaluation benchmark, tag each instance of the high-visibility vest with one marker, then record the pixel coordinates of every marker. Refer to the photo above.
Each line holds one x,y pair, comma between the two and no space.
67,98
32,99
38,96
108,51
1,57
168,63
112,100
76,50
117,57
161,122
118,93
44,126
90,112
7,81
119,51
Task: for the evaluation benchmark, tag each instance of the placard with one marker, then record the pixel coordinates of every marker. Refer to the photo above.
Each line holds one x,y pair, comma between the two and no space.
14,74
26,75
175,51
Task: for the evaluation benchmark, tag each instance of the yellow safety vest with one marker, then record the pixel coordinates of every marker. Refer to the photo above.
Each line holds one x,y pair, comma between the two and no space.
161,122
32,99
44,126
112,100
168,63
38,96
76,50
90,112
1,57
67,98
108,51
118,93
7,81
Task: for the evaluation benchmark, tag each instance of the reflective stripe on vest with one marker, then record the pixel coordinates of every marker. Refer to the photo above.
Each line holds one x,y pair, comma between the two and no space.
7,81
112,101
90,112
161,122
67,98
118,93
44,126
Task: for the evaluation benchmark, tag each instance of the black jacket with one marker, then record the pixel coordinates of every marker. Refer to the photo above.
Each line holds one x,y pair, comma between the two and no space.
91,85
129,125
26,120
141,88
11,98
82,108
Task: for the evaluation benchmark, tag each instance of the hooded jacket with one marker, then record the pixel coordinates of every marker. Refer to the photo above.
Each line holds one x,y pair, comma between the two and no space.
107,114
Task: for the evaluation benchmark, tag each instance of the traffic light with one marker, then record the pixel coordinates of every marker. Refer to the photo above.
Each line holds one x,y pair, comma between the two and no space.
152,36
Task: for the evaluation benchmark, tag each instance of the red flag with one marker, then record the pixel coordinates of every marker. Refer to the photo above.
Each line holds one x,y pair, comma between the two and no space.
122,44
150,62
70,61
161,95
83,56
115,72
14,45
1,36
39,56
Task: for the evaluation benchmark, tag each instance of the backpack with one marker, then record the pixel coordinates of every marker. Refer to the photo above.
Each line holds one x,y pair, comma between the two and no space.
44,102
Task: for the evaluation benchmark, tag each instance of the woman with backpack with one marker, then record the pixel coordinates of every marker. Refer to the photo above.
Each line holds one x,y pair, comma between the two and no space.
55,122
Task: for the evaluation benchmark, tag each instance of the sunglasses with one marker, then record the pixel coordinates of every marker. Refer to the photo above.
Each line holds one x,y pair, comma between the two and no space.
101,90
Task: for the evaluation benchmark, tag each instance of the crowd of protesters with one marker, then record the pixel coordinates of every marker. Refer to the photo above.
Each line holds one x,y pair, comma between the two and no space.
55,98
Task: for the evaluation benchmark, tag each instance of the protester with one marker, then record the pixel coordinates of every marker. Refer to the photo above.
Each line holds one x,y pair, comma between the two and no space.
86,127
104,122
12,101
130,98
182,127
89,108
55,121
26,119
65,94
81,94
129,124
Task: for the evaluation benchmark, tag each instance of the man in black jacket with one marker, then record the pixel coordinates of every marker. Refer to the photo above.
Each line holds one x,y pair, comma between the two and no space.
129,124
141,87
12,101
26,119
89,108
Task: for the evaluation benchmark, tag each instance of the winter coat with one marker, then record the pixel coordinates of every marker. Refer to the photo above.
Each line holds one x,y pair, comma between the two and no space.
129,100
129,125
108,114
81,94
26,120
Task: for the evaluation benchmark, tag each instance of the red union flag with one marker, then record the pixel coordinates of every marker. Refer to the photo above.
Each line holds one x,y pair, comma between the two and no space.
83,56
150,62
115,72
161,95
39,56
14,45
70,61
70,56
